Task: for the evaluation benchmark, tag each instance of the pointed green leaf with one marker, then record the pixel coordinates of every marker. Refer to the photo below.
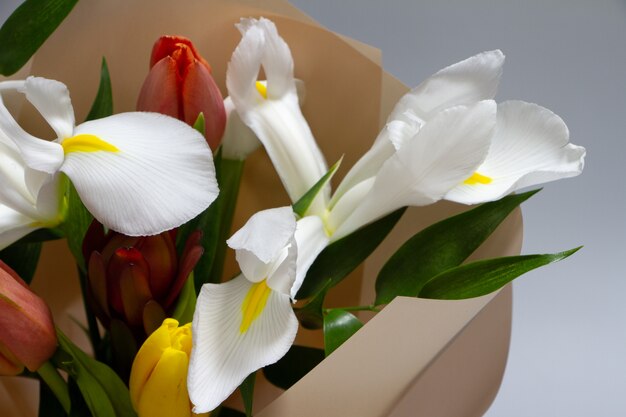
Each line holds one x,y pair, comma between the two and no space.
22,258
340,258
103,104
27,29
103,391
78,217
301,206
200,124
483,277
76,224
186,304
298,362
247,393
49,405
442,246
339,325
215,222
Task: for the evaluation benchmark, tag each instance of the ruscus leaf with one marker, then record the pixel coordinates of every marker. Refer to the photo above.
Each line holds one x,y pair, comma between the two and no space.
27,29
442,246
483,277
339,326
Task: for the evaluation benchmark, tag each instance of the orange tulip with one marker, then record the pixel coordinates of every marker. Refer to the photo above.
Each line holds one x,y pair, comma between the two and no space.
27,335
180,85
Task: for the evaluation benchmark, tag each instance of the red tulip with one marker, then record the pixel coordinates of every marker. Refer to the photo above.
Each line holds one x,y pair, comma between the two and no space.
180,85
27,335
136,280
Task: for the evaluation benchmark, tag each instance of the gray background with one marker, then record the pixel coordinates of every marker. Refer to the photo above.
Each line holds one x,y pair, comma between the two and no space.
568,349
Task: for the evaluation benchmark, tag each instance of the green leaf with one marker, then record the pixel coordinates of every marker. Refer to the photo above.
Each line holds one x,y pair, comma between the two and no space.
301,206
49,405
247,393
227,412
215,223
200,124
483,277
339,325
78,217
442,246
186,304
298,362
103,104
27,29
75,225
343,256
310,315
103,391
22,258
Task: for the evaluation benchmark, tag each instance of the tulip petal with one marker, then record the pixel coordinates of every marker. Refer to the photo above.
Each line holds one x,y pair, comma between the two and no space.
530,146
200,94
161,177
165,392
466,82
24,318
160,253
223,356
159,92
443,153
146,360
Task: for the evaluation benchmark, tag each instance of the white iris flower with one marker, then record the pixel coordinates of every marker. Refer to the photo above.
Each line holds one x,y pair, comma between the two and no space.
271,109
137,173
248,322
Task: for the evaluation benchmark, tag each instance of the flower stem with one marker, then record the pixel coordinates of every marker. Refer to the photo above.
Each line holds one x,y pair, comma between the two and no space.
57,384
370,307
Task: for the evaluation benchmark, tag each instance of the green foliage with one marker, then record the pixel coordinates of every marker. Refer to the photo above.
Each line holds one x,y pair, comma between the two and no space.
215,222
186,304
27,29
442,246
340,258
78,217
339,325
103,391
298,362
301,206
247,393
103,104
483,277
22,258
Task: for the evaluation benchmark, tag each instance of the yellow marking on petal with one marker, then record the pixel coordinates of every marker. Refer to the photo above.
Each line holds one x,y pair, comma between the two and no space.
477,178
86,143
253,304
262,89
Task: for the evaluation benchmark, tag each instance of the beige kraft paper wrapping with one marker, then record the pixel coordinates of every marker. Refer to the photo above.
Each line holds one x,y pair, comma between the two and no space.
415,358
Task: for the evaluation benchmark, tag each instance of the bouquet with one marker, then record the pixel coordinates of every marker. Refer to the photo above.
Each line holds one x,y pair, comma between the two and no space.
146,202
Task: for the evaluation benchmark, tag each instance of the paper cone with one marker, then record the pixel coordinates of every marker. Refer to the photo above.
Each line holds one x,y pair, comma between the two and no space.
417,357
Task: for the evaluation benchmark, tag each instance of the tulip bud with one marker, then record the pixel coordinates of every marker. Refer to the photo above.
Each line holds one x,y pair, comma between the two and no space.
158,379
136,280
27,335
180,85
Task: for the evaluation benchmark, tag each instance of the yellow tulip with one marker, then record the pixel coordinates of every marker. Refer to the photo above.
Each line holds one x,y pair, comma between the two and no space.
158,379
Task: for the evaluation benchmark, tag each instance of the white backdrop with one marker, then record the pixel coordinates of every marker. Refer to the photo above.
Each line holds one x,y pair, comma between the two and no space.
568,350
